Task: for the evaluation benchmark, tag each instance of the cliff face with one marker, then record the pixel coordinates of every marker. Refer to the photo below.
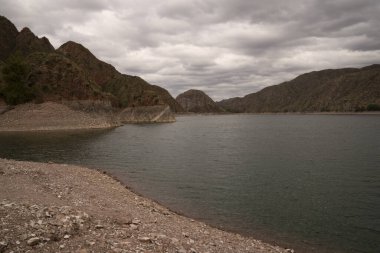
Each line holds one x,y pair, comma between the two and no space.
197,101
71,72
339,90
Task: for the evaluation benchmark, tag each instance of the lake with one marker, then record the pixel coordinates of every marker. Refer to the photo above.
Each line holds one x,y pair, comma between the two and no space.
311,182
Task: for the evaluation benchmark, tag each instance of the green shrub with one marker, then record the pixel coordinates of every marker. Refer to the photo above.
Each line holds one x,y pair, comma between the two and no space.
373,107
16,90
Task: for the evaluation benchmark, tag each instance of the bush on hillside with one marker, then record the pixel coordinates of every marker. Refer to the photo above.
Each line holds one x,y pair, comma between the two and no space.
373,107
15,89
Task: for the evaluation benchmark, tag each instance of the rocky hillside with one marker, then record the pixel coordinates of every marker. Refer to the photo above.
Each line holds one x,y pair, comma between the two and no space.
197,101
8,35
129,90
71,72
331,90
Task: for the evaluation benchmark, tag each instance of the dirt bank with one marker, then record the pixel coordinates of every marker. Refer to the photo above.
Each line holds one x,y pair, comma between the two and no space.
53,116
64,208
70,115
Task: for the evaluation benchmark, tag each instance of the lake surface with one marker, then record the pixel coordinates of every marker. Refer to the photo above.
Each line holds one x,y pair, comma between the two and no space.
311,182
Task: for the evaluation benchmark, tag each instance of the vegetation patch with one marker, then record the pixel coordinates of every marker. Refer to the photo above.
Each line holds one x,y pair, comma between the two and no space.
15,89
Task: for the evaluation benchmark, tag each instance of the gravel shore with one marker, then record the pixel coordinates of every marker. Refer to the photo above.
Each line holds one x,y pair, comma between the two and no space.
48,207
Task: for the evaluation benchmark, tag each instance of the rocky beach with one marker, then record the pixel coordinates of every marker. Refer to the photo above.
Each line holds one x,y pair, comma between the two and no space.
47,207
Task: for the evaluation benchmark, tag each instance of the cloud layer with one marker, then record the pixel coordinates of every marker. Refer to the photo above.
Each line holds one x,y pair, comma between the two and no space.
226,48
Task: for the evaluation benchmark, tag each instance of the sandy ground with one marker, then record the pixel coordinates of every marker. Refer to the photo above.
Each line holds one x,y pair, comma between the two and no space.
65,208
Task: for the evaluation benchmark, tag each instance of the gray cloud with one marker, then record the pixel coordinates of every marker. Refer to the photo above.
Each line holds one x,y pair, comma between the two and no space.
227,48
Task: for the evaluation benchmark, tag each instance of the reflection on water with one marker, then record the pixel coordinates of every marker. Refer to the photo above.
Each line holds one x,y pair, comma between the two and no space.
313,180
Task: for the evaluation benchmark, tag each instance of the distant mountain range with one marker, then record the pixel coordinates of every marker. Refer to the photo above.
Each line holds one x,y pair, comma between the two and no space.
31,69
330,90
198,102
71,72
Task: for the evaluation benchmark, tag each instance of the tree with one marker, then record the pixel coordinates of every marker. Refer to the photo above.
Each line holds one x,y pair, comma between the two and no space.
373,107
15,75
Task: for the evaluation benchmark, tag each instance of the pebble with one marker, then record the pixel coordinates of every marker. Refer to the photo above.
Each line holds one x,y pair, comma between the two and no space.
3,246
66,236
90,243
24,237
160,236
82,251
181,250
33,241
133,226
99,226
136,221
144,239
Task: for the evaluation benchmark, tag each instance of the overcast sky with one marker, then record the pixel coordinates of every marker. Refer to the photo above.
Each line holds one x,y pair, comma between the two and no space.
226,48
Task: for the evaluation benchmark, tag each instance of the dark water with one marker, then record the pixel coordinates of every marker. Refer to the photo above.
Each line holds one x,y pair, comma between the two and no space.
307,181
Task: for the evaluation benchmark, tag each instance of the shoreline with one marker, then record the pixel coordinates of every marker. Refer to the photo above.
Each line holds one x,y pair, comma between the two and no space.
291,244
93,115
277,113
78,115
140,222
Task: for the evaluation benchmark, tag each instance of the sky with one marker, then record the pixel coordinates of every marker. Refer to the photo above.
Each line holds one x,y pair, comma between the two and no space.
226,48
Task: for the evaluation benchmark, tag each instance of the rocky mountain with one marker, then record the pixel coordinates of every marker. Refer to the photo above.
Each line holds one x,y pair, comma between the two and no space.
71,72
130,91
28,43
197,101
98,71
331,90
8,35
23,42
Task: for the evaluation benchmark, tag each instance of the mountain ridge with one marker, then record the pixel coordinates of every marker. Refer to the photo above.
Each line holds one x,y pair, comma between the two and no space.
197,101
340,90
71,72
